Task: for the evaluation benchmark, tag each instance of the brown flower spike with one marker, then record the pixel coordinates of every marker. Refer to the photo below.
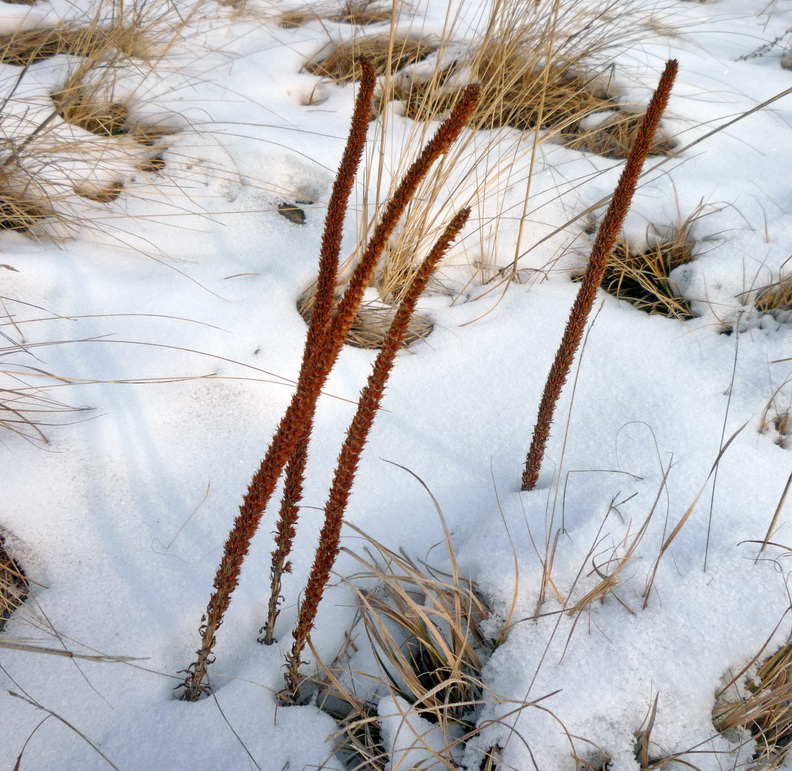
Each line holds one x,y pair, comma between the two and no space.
592,278
357,434
321,352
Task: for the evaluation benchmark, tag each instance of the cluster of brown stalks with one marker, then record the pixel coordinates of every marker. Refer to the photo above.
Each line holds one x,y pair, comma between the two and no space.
592,278
327,330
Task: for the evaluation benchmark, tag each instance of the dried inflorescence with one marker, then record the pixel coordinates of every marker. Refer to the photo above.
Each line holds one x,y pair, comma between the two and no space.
327,331
592,278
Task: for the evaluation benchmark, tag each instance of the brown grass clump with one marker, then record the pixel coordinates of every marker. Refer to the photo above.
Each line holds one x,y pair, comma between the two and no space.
559,99
19,212
786,62
386,55
358,12
642,276
371,323
92,41
776,299
426,629
80,108
13,585
764,709
613,136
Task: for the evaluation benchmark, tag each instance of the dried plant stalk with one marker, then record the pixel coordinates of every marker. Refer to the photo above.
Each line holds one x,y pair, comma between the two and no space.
346,467
598,262
318,360
295,424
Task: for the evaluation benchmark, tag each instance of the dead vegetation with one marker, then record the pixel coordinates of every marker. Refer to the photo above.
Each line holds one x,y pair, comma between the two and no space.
358,12
14,585
641,275
372,321
385,54
92,41
776,299
577,109
426,630
757,701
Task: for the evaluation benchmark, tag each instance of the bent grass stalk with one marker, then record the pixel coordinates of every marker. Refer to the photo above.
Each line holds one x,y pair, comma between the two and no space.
316,366
370,399
592,278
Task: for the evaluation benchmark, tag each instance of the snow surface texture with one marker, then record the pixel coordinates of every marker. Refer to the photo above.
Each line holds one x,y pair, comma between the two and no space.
173,313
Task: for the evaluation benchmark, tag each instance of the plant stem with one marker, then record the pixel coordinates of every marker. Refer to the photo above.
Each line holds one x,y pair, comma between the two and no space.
346,467
598,262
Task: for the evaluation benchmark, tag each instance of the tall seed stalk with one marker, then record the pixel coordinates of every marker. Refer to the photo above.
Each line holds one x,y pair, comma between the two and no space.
319,357
592,278
318,328
346,466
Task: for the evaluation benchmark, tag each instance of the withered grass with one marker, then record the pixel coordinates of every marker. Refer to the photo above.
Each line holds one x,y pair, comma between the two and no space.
776,299
358,12
372,322
14,585
343,63
764,708
642,276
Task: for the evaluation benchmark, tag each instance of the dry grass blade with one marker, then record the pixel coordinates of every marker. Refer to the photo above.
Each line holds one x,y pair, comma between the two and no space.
776,515
598,262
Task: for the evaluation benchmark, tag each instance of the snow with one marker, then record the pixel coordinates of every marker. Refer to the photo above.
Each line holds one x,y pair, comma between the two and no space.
171,313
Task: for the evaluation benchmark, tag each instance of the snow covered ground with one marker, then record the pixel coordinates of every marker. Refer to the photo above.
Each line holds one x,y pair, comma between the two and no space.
171,313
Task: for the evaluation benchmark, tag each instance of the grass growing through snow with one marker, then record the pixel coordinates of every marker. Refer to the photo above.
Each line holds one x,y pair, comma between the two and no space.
430,633
543,68
761,706
13,584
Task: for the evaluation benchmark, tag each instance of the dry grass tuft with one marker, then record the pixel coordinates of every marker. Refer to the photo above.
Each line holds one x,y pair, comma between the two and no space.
786,62
19,212
386,55
81,108
372,322
642,276
613,135
100,194
358,12
13,585
776,299
765,710
91,41
426,629
776,420
579,109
